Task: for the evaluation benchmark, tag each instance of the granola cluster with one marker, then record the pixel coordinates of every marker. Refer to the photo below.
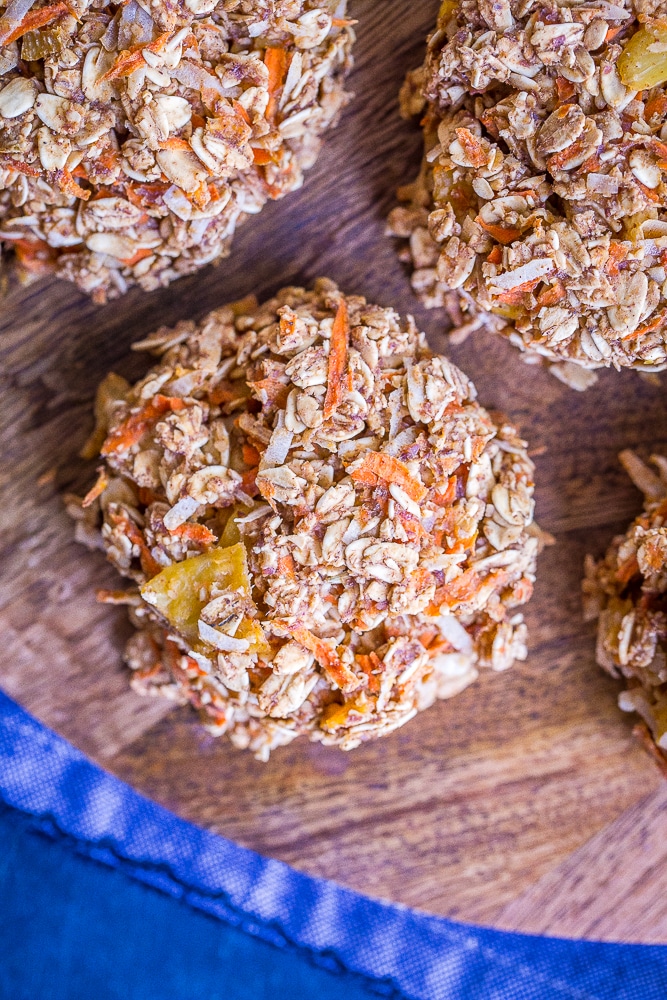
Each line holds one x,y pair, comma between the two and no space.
627,591
540,209
326,531
136,136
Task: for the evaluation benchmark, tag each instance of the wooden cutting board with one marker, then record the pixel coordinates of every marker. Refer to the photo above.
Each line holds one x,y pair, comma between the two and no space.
524,802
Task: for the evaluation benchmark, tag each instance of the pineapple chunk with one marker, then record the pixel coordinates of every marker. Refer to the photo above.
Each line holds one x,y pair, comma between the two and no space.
180,592
639,68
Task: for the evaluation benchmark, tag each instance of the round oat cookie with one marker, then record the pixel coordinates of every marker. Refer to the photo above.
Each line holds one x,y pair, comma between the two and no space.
540,209
627,592
325,530
136,136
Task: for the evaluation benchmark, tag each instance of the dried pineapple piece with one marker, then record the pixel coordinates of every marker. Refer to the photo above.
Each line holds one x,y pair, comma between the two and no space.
180,592
643,62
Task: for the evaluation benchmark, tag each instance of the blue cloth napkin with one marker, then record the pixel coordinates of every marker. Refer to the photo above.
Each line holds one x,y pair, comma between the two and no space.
104,894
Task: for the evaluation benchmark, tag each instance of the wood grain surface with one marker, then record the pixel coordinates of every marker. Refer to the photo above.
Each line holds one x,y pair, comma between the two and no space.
524,802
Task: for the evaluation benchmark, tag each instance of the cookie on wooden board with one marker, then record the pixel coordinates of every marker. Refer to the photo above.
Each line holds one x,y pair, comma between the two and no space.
540,209
325,530
135,137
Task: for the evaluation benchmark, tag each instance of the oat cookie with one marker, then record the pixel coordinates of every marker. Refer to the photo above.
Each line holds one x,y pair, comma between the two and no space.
135,137
627,592
540,210
326,532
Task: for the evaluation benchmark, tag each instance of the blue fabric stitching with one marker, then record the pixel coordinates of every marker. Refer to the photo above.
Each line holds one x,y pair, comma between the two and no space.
106,855
23,732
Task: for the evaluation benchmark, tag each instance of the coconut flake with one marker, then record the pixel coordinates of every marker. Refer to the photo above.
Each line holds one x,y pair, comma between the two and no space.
225,643
180,512
537,268
454,633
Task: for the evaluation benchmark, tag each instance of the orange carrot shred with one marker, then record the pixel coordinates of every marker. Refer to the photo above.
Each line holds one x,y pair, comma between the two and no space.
325,654
241,112
617,253
275,60
379,465
97,490
35,19
250,454
197,533
141,254
627,570
340,341
472,147
121,519
514,296
550,296
135,426
565,88
504,234
261,156
652,324
131,59
66,183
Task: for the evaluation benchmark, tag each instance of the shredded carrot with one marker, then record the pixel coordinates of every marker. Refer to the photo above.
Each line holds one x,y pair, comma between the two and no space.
8,163
261,156
197,533
379,465
132,59
135,426
35,255
472,147
66,183
557,160
275,60
612,32
126,64
514,296
504,234
175,142
325,654
145,195
35,19
136,257
249,482
343,22
121,519
550,296
617,253
286,567
627,570
649,192
340,341
97,490
250,454
489,124
460,590
656,144
447,498
565,88
653,324
590,165
656,106
241,111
